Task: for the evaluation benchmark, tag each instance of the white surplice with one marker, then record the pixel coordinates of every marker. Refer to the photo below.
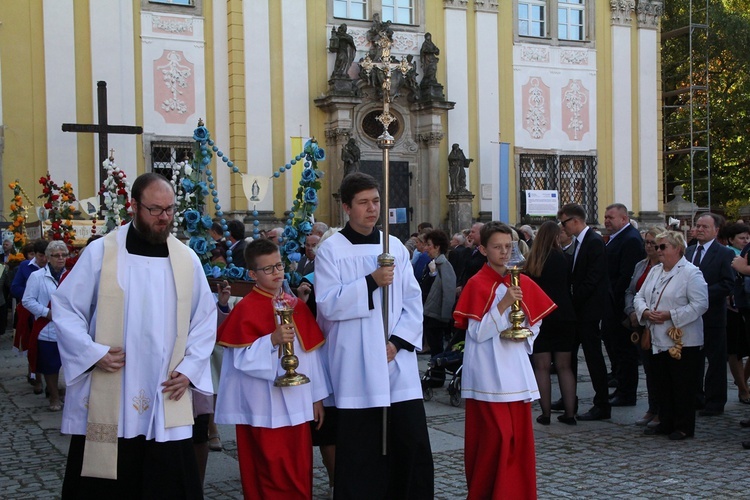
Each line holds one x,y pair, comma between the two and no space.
247,394
360,373
498,370
149,335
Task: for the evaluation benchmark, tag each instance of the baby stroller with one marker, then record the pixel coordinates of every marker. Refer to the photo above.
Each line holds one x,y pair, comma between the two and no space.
449,362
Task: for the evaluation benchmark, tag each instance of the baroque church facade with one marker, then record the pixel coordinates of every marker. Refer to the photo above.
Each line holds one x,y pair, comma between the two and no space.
559,95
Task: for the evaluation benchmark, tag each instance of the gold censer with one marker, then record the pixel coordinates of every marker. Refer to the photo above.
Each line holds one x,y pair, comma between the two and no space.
516,315
284,308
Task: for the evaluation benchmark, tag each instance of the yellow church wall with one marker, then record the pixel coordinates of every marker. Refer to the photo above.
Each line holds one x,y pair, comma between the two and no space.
24,103
237,113
278,145
635,171
138,79
473,149
604,109
506,93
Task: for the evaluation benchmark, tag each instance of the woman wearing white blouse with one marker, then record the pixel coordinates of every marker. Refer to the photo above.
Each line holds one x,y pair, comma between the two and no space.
671,302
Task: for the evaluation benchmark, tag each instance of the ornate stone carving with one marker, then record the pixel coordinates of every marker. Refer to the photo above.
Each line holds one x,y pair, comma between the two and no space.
579,57
455,4
410,146
649,12
178,26
575,100
176,77
432,139
336,133
536,108
534,54
622,11
486,5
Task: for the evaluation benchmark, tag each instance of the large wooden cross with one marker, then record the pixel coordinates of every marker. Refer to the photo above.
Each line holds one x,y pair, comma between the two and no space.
102,128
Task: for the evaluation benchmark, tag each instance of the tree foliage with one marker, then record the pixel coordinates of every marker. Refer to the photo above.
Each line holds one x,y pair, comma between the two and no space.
720,64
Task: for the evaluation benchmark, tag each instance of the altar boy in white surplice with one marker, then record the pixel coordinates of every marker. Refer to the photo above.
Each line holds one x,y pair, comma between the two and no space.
137,324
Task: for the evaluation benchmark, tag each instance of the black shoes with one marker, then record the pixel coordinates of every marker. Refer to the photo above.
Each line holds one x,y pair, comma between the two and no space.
596,413
677,436
745,422
566,420
560,406
621,401
746,445
542,419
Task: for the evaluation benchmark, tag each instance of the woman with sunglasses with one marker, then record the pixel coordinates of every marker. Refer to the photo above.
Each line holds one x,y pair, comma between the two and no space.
640,272
671,303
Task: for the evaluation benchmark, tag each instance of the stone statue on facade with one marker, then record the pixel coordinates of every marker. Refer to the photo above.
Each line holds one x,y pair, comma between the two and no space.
428,56
457,165
350,155
343,45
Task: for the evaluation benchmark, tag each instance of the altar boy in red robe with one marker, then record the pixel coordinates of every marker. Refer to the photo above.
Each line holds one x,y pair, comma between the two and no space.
274,446
498,381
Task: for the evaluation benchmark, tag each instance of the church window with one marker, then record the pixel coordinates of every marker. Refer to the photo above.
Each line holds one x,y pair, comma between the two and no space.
398,11
570,19
350,9
572,176
174,2
165,155
531,18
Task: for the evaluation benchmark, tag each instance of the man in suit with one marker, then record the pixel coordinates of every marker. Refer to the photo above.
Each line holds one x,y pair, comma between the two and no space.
624,250
474,260
589,286
307,262
237,238
458,253
715,261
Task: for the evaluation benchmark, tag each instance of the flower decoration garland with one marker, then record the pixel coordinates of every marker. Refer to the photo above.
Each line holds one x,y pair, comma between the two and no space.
301,219
17,217
58,208
116,192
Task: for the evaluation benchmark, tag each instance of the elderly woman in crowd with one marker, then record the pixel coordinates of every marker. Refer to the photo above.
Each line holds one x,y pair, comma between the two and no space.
36,298
640,272
670,304
438,285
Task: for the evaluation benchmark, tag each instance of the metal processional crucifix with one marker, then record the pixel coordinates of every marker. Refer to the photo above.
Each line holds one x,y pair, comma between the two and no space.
387,65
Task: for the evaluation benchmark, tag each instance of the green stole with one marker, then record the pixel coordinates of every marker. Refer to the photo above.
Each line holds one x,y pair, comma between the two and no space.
100,452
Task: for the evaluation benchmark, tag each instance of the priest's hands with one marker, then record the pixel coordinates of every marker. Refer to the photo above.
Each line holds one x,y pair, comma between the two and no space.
112,361
383,276
223,292
318,414
513,294
303,292
177,385
283,334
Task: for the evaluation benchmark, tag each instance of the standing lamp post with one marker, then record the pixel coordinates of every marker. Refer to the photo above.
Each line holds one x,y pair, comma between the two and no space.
385,141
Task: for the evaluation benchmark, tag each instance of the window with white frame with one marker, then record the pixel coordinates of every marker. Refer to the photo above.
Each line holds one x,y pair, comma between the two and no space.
396,11
350,9
532,15
570,19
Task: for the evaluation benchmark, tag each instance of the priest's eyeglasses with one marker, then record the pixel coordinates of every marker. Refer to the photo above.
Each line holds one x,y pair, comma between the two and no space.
157,211
270,269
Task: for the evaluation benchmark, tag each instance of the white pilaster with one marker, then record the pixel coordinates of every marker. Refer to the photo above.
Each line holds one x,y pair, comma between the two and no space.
622,120
296,82
220,128
647,120
457,81
257,93
488,113
113,60
60,91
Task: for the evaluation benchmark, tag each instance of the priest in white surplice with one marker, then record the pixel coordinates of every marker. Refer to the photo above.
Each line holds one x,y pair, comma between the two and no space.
367,373
137,324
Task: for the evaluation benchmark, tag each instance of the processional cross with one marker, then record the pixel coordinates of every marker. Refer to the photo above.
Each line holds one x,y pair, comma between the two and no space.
385,141
103,128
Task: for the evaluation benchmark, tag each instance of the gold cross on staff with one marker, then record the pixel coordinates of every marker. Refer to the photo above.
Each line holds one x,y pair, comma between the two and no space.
112,155
387,64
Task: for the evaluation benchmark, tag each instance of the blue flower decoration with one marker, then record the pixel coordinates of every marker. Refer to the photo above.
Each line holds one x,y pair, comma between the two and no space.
305,227
198,245
290,233
308,176
207,269
320,154
191,228
187,185
216,272
192,216
200,134
311,196
294,257
206,221
291,246
235,272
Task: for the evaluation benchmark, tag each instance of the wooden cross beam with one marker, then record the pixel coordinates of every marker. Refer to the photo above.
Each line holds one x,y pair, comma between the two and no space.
103,128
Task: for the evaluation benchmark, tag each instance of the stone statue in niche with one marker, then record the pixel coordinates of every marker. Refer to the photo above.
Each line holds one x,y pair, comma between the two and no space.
457,165
350,154
428,57
343,45
373,34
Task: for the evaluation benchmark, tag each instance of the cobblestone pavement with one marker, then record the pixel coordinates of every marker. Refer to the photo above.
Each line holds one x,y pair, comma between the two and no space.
610,459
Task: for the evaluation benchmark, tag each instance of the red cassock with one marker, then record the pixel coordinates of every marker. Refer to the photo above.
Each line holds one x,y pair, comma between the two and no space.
274,463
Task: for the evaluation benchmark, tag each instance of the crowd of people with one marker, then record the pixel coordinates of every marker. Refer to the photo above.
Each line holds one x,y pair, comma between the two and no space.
145,344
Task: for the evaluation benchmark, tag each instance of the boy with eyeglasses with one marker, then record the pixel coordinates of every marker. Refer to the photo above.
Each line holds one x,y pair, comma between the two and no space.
274,443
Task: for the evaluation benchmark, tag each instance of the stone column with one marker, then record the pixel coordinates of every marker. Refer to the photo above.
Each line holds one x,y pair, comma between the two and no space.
339,128
622,141
459,211
649,182
429,133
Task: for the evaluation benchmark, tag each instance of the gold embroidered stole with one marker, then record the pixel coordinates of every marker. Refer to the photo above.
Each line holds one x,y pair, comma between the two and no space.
100,452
